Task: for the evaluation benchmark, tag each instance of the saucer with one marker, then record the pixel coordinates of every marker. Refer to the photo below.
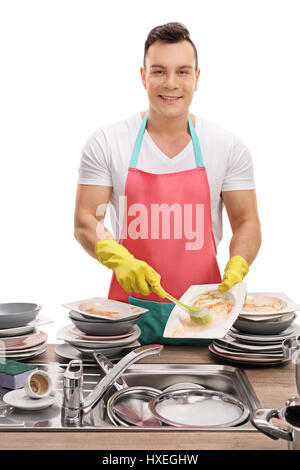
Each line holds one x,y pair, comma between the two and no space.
19,399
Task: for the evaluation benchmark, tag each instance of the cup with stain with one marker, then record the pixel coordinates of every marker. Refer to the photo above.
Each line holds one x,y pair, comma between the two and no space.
38,385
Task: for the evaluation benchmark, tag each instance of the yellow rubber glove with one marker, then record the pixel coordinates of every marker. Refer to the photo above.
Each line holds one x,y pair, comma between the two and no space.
235,271
134,275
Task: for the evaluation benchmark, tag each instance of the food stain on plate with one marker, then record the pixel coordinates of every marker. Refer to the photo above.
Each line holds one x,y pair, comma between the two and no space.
109,314
218,305
102,313
263,304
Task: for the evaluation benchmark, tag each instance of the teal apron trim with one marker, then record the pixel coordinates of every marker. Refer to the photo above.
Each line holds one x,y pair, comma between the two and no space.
139,140
152,324
138,143
195,140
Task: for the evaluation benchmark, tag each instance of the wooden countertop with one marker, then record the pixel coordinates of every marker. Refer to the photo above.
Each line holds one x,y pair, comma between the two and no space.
273,385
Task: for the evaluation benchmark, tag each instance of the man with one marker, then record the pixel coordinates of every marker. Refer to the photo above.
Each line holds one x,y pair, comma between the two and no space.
167,174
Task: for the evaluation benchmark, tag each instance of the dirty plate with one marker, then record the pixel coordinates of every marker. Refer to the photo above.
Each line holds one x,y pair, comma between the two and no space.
224,309
106,309
288,333
247,360
66,351
250,354
80,335
234,344
21,330
24,351
23,342
70,335
108,352
24,356
268,303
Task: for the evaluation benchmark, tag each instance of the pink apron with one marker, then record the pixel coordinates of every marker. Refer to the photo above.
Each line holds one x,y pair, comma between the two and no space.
167,223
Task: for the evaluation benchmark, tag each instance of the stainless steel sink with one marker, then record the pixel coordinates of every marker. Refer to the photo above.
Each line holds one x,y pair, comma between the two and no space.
230,380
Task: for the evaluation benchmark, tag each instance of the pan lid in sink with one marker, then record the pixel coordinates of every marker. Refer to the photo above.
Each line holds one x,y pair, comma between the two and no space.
198,408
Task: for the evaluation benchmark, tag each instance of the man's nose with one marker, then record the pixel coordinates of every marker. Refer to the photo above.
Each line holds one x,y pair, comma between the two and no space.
171,80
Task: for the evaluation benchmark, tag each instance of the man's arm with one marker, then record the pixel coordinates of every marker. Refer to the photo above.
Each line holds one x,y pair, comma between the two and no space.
91,204
241,207
134,275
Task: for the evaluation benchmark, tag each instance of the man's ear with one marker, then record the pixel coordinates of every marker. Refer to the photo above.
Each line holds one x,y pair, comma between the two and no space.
143,76
197,79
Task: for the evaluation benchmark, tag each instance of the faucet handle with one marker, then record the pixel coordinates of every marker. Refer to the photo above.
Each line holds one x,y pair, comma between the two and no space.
105,366
71,414
155,348
291,350
291,347
73,376
114,374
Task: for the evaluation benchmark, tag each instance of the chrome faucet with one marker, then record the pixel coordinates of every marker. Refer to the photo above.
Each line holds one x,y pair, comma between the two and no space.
291,350
74,406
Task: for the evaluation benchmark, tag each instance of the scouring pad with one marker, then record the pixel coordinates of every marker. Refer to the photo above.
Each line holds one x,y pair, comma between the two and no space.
13,374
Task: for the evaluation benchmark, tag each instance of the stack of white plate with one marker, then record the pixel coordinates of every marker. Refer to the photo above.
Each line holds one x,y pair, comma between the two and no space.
101,325
266,320
23,346
110,346
19,337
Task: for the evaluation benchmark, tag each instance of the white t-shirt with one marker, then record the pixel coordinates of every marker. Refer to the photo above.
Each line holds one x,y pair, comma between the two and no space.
106,157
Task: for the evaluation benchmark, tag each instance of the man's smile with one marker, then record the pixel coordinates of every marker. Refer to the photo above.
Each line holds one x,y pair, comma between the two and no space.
170,98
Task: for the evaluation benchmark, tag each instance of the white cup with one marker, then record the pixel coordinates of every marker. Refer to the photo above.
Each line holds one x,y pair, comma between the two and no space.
38,385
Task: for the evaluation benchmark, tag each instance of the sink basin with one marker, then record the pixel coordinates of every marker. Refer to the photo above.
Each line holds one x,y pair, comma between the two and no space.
228,379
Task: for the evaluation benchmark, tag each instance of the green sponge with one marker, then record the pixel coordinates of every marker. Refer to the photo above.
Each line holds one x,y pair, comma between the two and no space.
202,317
13,374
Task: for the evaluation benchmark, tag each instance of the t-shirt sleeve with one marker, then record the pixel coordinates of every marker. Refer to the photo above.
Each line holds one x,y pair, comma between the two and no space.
239,174
95,165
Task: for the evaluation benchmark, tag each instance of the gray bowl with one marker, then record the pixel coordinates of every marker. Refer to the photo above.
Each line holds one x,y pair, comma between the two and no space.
98,328
264,328
15,314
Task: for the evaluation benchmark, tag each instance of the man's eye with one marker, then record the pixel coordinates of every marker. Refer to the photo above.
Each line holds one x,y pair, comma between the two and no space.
158,72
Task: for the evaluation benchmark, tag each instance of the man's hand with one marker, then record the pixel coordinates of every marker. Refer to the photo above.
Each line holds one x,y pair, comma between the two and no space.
235,271
133,275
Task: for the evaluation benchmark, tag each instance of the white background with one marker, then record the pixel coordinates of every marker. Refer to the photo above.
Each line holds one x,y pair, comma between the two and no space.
69,66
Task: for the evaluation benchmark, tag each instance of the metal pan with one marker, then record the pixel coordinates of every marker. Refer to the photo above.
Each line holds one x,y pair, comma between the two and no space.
289,416
130,406
198,408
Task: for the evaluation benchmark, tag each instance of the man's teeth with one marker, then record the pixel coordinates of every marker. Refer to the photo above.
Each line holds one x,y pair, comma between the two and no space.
170,97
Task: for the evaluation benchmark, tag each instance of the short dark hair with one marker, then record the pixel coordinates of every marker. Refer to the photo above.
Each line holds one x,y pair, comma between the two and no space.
170,33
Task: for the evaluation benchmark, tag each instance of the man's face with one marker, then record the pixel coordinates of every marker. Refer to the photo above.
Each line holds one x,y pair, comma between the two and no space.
170,77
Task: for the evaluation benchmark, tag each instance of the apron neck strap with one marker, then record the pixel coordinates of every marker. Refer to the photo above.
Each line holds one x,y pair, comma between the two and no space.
139,139
195,140
138,143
